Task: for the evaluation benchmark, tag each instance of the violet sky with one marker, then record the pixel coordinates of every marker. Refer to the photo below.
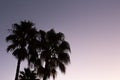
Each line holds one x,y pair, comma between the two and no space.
92,27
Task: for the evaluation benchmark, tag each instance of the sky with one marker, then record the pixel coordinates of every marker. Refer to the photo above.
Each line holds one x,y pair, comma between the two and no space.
92,27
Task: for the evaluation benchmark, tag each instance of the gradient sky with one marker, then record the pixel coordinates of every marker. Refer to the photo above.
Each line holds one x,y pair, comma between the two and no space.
92,27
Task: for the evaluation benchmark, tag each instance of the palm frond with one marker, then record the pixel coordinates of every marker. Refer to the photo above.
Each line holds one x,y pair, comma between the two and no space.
42,35
11,38
60,36
11,47
53,62
51,36
65,46
54,73
16,27
62,67
26,24
64,57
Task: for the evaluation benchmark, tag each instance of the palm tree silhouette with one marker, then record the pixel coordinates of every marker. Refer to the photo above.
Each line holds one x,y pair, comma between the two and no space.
54,54
45,51
20,34
27,74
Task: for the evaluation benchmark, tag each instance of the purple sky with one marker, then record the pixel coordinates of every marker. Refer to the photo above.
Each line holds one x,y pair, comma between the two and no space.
92,28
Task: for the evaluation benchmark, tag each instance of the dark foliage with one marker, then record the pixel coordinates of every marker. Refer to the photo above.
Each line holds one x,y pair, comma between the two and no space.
27,74
54,54
45,51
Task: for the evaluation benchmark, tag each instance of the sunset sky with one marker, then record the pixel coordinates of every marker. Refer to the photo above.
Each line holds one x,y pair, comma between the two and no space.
92,27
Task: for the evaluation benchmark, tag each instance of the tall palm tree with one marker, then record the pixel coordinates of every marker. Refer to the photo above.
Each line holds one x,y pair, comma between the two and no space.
20,34
27,74
53,54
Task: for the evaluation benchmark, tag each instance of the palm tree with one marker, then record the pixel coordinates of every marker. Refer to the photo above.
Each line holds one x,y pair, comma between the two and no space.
20,34
54,54
27,74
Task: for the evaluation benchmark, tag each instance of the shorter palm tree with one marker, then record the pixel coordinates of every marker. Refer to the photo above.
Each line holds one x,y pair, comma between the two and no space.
27,74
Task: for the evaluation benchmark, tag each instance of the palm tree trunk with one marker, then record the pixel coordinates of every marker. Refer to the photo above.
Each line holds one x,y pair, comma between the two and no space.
44,78
18,69
45,73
